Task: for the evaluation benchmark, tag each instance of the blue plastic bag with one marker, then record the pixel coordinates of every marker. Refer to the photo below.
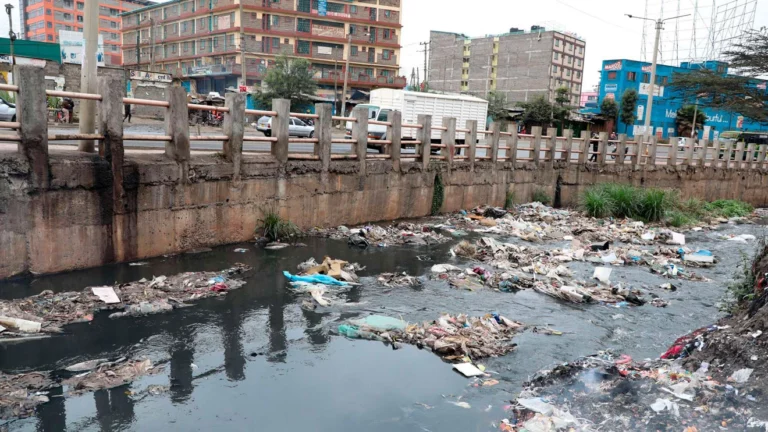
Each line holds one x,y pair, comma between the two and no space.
314,279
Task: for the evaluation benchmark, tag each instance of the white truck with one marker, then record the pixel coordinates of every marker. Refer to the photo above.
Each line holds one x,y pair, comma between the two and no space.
411,104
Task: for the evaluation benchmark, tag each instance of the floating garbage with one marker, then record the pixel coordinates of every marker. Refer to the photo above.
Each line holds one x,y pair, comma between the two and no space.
48,311
314,279
111,374
401,233
392,280
454,338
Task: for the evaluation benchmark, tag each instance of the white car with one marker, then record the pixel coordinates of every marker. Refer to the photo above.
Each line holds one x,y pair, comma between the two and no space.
7,111
296,127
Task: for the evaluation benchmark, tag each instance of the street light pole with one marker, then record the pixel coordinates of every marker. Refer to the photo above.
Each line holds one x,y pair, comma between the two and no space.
12,37
652,88
88,74
346,73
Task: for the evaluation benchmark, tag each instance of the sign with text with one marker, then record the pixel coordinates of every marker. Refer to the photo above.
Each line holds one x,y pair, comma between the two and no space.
72,46
322,7
658,91
328,31
611,87
149,76
613,66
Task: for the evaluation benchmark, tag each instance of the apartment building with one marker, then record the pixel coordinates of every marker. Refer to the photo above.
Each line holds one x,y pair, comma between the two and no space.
199,40
41,21
521,64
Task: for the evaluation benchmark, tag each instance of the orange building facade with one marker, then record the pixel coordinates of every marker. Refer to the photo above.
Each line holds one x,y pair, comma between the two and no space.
41,20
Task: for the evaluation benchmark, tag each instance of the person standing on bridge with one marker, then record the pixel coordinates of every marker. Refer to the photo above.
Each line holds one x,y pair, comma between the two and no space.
127,113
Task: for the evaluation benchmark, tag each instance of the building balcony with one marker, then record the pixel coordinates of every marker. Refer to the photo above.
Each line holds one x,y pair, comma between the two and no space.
392,61
361,80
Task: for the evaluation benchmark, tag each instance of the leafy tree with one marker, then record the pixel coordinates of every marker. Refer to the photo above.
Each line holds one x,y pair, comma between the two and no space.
736,93
562,108
288,79
497,106
609,109
628,105
684,120
537,112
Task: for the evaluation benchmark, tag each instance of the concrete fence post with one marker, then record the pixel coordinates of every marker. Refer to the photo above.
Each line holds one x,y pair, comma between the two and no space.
568,150
177,126
471,139
495,138
448,139
584,146
702,159
32,113
425,136
690,144
750,155
727,153
395,134
324,135
637,153
739,157
620,149
110,124
536,156
761,156
360,137
513,140
552,134
602,148
654,149
234,129
281,129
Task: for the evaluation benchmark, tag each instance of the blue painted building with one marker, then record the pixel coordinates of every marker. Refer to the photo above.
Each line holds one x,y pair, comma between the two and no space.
619,75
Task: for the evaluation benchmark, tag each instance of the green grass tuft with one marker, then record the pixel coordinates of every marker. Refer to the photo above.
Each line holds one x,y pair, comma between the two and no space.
623,200
679,219
654,204
539,195
275,228
596,203
729,208
509,201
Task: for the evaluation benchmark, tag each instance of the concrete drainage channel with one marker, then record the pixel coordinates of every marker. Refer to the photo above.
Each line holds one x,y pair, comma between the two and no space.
251,357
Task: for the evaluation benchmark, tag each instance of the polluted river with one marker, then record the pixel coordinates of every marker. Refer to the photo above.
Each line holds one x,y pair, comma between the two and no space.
269,355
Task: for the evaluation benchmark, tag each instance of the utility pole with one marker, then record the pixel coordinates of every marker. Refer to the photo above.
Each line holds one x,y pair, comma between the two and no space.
152,44
425,51
652,87
12,37
242,47
348,54
88,73
138,49
336,84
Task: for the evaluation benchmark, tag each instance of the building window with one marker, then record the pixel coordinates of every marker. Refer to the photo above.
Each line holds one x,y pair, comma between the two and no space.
50,38
48,12
353,50
275,42
557,42
662,81
554,69
646,78
578,75
578,63
570,59
387,54
80,6
353,9
557,56
612,75
302,47
567,72
202,44
581,50
387,34
50,24
631,76
275,20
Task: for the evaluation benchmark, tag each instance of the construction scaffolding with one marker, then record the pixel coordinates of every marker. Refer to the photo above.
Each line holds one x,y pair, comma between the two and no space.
710,28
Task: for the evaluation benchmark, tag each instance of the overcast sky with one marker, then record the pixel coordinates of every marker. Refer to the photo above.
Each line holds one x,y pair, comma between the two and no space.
608,33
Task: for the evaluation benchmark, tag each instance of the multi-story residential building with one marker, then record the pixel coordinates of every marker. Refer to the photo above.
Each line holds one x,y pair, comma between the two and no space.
588,99
519,64
42,20
199,40
618,76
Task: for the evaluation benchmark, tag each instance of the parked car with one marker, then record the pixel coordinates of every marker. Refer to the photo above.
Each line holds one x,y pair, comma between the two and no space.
7,111
296,127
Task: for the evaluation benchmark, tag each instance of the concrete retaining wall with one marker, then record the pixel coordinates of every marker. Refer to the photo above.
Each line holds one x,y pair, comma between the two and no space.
72,224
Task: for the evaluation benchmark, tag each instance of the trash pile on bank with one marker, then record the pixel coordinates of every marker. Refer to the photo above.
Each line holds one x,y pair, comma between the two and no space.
511,268
605,392
47,312
457,339
401,233
21,393
331,277
536,223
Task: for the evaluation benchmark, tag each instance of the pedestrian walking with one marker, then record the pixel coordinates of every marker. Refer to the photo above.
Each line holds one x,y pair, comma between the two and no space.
595,141
127,113
67,107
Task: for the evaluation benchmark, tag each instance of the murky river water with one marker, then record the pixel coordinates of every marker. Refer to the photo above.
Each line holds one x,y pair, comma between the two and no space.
255,360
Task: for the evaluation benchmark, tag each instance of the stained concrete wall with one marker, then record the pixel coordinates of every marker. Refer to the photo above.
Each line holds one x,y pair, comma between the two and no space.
71,224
